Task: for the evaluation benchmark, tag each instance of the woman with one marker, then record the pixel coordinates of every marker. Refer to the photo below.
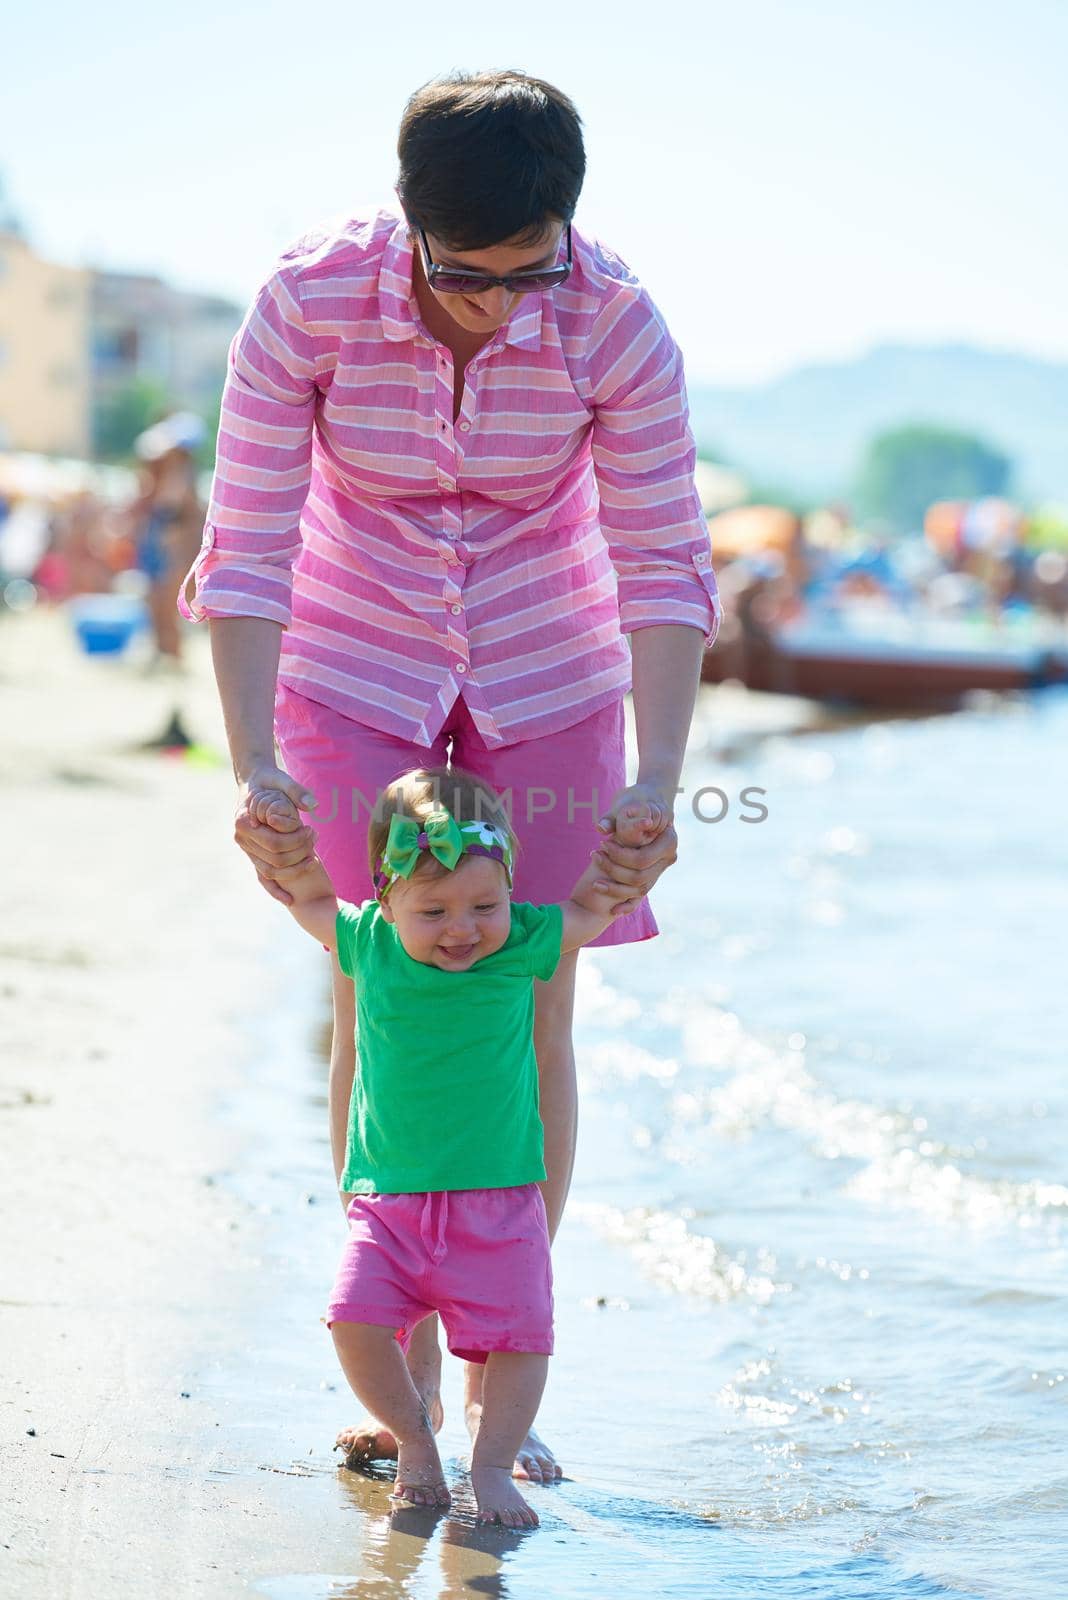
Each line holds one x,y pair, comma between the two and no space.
170,515
454,468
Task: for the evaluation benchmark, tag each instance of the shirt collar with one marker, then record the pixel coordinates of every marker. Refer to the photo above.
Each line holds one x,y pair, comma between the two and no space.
523,327
397,304
395,286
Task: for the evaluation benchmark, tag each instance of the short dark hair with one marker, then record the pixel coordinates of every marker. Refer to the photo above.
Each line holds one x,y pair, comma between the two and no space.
489,156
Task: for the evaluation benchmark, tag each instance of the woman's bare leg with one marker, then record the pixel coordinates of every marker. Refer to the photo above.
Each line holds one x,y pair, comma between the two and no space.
368,1440
164,615
554,1014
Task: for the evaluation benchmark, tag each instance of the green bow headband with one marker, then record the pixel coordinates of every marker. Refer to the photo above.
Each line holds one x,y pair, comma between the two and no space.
445,838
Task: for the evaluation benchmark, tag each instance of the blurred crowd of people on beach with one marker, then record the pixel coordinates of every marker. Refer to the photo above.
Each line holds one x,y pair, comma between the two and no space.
983,561
72,529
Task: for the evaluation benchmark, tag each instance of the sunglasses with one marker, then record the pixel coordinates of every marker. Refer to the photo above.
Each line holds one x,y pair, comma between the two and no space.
458,280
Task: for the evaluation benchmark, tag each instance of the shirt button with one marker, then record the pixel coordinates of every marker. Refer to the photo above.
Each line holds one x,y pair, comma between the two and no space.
456,610
460,667
465,427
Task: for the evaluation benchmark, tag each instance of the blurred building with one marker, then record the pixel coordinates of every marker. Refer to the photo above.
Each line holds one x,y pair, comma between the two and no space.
45,401
73,339
143,329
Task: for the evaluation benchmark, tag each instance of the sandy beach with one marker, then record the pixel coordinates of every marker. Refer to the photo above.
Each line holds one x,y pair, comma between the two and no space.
809,1287
170,1397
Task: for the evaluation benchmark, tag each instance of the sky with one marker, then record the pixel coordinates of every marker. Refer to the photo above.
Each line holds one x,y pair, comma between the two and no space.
794,183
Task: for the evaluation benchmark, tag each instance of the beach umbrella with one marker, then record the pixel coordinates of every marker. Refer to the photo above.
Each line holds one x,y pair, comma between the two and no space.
749,530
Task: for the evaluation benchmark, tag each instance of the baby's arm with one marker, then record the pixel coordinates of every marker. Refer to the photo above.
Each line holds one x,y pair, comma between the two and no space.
314,903
587,913
589,910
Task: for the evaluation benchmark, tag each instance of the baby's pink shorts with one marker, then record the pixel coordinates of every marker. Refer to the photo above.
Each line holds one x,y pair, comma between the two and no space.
478,1257
559,784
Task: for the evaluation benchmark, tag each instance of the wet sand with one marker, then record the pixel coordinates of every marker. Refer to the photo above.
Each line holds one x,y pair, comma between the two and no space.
170,1394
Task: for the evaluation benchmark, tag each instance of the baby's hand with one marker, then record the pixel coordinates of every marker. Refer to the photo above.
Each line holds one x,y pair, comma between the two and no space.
637,823
274,810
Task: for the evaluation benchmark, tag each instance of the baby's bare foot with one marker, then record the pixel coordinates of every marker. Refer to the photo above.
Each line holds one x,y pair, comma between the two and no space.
420,1480
499,1500
534,1461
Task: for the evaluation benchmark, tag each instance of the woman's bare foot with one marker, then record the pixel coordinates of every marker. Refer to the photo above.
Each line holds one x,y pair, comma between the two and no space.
366,1443
369,1441
499,1500
420,1479
534,1461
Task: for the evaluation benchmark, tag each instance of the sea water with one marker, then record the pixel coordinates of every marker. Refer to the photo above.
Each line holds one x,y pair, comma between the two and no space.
841,1070
812,1287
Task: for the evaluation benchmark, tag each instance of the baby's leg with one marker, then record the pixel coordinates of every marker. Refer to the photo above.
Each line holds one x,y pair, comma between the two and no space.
374,1364
511,1392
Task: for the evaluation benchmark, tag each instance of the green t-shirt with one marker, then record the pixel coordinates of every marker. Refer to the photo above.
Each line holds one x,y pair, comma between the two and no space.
445,1094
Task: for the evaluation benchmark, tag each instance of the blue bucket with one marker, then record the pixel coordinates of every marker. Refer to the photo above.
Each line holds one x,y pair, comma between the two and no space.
104,624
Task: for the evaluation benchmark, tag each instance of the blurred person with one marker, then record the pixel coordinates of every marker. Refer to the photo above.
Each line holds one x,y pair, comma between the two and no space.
1047,584
454,468
169,517
74,560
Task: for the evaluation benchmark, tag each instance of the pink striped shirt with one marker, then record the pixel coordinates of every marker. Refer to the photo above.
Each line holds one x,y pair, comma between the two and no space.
409,559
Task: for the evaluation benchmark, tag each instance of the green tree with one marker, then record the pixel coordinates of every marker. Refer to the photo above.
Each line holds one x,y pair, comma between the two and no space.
123,415
206,453
907,468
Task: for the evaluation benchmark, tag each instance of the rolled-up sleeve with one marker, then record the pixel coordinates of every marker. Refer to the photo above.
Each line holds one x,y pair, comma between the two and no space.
644,458
262,467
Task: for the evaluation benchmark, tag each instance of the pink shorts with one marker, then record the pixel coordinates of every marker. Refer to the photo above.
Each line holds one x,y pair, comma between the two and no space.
478,1257
560,784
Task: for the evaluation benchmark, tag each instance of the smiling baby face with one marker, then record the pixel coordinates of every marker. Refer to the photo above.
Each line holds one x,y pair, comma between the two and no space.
452,919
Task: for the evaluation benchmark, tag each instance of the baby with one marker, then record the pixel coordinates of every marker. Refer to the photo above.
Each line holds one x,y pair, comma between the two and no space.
444,1151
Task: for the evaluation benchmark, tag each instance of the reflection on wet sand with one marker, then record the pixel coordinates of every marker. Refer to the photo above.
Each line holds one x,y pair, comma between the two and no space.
398,1543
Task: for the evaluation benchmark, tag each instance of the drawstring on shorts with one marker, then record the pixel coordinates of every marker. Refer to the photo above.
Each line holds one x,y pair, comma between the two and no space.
431,1229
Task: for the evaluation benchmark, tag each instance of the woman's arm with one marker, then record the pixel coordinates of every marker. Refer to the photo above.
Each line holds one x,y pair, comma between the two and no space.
245,653
243,575
665,672
669,607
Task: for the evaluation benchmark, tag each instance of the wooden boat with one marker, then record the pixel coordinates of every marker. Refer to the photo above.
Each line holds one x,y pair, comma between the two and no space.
893,663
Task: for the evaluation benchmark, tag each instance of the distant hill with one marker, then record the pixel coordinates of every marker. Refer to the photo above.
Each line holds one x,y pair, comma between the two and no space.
807,431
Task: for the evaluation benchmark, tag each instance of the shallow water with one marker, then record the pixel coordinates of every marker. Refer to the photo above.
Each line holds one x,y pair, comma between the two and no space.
812,1283
846,1115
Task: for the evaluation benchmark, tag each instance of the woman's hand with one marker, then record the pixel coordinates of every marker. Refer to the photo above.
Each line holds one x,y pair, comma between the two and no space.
268,828
643,816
